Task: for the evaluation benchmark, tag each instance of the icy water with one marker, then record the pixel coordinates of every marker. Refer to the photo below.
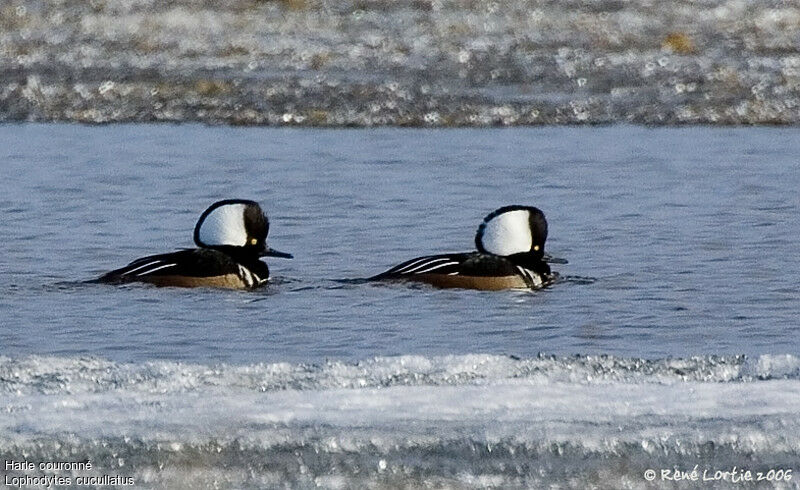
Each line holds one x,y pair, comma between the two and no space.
671,342
426,63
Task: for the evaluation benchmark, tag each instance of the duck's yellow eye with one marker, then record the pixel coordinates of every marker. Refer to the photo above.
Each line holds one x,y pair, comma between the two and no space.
253,241
536,248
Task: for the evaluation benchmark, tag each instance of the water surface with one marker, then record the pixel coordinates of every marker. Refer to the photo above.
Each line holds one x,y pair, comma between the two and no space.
690,233
679,351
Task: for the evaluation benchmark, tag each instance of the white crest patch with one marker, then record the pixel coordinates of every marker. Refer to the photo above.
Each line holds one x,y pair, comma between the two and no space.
224,226
508,233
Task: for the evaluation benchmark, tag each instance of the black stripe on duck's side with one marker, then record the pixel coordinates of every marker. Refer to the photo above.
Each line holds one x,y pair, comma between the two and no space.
466,270
192,268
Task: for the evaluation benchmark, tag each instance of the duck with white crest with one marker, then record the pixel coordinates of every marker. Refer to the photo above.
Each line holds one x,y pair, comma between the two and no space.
510,255
231,236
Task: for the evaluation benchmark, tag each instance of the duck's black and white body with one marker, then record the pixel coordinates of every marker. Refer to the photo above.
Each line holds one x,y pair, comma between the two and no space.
231,236
510,255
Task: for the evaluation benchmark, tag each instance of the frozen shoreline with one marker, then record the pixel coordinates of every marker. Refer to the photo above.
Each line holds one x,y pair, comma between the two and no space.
409,421
417,63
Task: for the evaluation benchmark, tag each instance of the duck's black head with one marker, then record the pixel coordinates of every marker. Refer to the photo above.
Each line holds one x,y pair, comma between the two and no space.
236,226
515,232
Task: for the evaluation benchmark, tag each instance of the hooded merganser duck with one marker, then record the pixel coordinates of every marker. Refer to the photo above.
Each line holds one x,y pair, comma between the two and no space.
510,254
231,236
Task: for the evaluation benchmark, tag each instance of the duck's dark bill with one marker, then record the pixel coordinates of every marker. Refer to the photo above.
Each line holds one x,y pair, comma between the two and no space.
554,260
271,252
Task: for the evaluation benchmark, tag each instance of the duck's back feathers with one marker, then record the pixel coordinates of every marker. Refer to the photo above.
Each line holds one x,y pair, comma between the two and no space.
465,270
190,268
440,264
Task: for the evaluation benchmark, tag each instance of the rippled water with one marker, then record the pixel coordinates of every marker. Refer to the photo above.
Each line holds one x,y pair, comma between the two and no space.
689,320
690,233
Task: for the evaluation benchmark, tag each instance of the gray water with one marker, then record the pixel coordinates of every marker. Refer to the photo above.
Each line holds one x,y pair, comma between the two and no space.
690,235
670,342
